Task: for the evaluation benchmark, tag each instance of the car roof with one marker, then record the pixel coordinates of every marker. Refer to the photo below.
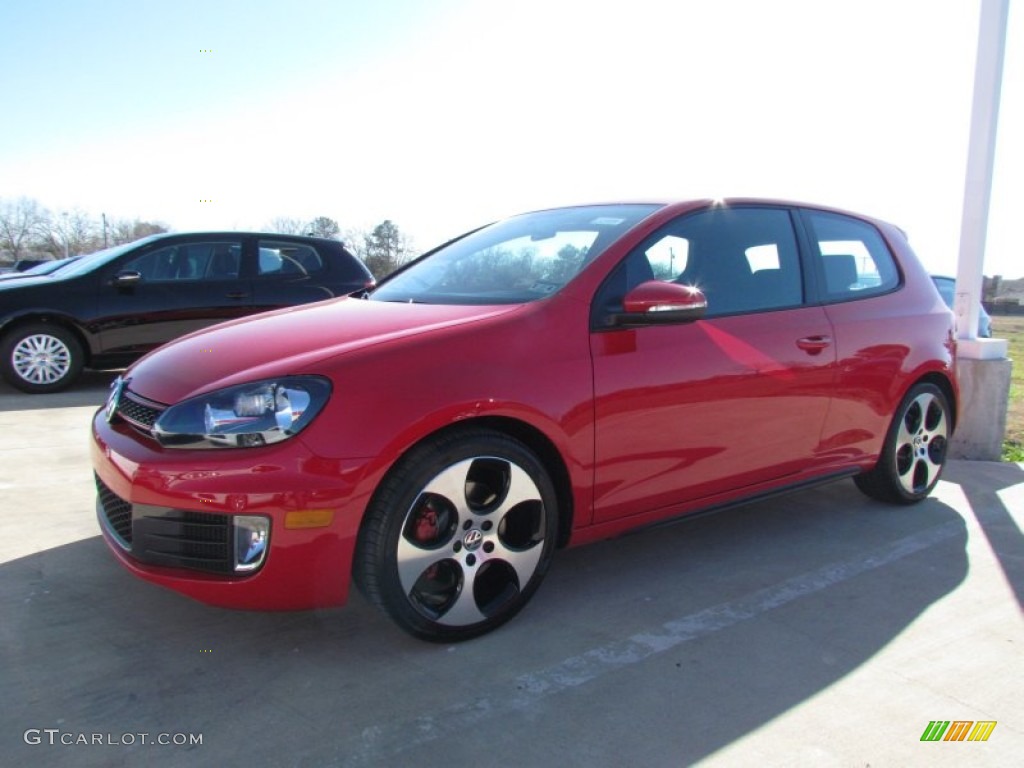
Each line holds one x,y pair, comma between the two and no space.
237,233
686,203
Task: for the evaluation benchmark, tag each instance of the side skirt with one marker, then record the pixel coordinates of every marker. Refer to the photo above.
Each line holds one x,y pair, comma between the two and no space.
674,515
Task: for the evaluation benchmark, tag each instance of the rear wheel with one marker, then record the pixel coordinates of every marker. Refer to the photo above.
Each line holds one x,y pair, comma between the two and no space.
459,535
40,358
914,451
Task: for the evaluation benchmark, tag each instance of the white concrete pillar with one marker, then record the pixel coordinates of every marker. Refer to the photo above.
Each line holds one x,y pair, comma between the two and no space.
984,367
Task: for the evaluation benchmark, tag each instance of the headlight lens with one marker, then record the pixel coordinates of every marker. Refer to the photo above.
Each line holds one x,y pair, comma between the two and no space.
244,416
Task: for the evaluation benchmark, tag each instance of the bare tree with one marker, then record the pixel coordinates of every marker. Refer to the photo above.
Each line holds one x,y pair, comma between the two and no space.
354,239
72,233
125,231
22,221
287,225
322,226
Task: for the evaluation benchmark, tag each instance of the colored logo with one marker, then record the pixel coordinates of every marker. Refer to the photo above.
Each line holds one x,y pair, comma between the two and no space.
958,730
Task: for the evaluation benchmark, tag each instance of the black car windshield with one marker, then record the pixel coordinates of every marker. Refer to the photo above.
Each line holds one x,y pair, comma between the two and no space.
47,267
516,260
89,262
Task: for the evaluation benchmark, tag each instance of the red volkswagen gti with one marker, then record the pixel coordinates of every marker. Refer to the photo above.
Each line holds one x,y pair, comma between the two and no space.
551,379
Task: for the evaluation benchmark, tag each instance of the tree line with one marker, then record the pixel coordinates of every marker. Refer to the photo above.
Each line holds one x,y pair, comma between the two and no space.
29,230
383,249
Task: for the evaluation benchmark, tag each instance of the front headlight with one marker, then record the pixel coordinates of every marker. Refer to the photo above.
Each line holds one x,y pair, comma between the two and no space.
244,416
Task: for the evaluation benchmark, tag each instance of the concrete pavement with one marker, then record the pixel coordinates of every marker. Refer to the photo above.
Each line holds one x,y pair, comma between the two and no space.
818,629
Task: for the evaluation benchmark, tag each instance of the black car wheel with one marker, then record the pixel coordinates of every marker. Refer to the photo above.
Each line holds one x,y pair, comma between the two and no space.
40,358
459,535
914,451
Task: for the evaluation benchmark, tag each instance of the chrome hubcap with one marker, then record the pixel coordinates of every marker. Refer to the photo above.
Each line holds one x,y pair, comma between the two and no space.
921,443
41,359
471,541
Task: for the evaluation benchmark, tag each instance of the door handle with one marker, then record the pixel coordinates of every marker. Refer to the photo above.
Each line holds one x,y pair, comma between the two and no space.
813,345
236,295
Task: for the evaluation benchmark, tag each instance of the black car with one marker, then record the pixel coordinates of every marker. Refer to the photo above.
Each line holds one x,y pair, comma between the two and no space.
111,307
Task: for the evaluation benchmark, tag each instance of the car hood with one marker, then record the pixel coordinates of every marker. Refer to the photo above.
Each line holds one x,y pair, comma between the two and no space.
287,341
18,281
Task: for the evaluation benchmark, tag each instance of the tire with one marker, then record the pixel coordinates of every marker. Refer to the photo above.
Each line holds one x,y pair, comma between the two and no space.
458,536
40,358
914,451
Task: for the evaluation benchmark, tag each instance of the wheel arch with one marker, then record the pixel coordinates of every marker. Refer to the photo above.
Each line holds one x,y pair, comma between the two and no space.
549,456
943,383
535,440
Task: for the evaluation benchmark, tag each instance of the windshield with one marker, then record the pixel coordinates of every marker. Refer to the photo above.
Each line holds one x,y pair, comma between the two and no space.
39,269
88,263
51,266
516,260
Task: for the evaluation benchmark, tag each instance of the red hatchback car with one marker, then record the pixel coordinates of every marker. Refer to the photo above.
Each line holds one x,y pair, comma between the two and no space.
548,380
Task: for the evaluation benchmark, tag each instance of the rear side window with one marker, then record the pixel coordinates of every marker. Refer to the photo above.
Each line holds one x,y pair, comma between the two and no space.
853,261
288,259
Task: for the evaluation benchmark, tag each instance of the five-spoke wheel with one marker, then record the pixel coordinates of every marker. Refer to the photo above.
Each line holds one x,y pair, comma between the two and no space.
459,536
914,451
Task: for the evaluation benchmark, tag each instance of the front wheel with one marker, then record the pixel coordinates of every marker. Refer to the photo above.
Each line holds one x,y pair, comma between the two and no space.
459,535
914,451
40,358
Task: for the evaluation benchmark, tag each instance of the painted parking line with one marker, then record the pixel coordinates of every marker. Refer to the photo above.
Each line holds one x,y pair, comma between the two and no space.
382,742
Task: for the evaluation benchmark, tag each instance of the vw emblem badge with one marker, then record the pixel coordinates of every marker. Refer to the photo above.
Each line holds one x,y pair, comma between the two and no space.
113,399
472,540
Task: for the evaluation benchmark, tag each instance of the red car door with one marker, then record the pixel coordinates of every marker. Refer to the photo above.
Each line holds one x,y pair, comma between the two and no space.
687,412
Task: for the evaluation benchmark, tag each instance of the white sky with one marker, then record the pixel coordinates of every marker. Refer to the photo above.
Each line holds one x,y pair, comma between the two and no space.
446,114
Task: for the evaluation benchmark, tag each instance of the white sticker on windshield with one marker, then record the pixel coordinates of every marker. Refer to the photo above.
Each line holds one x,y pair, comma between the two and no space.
607,221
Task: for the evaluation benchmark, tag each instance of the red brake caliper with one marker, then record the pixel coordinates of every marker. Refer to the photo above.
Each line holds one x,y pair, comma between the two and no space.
426,530
426,524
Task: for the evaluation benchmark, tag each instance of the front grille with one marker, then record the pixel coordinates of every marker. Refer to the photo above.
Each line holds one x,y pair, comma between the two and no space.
139,412
118,513
180,539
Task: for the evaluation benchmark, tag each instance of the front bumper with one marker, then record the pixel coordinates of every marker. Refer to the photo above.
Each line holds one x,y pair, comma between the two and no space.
167,516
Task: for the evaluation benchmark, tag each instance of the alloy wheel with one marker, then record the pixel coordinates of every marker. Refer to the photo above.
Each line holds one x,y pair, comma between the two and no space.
471,541
41,359
921,443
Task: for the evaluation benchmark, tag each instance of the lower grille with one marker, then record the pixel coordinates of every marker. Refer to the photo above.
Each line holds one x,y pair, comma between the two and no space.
175,538
118,513
179,539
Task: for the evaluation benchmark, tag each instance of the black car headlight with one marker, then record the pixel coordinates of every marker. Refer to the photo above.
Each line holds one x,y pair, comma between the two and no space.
244,416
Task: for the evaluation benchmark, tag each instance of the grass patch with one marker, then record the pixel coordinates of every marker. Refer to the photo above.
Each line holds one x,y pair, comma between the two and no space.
1012,329
1013,451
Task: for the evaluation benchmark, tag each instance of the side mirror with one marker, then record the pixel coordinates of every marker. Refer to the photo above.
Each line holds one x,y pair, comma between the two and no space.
656,302
126,279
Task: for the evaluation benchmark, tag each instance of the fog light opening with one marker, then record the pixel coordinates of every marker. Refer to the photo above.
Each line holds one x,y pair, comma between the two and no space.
252,535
